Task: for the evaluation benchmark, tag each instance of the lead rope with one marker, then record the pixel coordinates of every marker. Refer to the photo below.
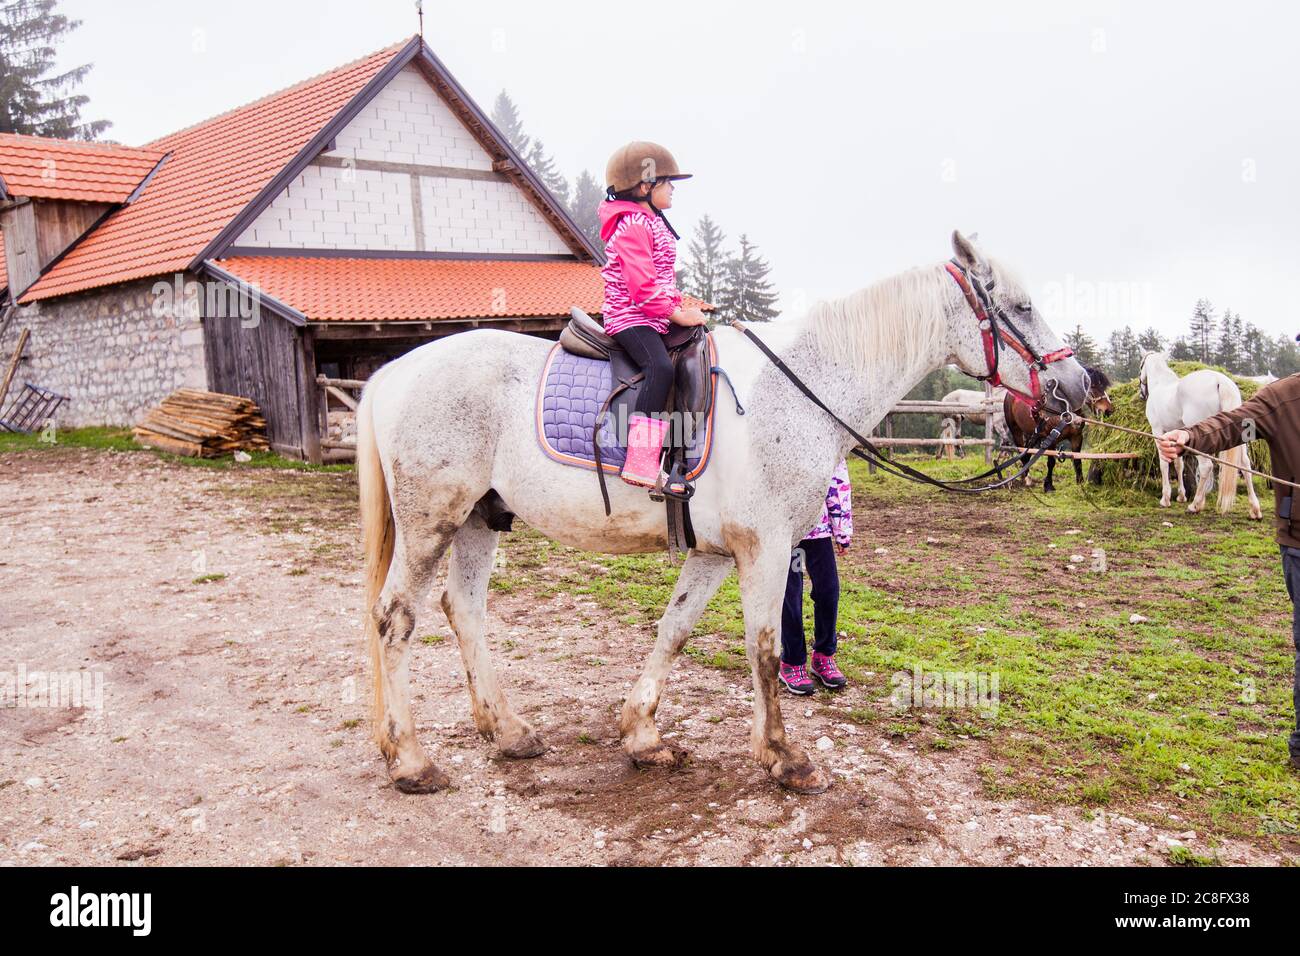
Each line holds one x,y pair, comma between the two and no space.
1214,458
876,457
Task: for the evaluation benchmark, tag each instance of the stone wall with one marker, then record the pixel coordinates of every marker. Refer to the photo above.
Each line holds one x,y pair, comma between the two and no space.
114,351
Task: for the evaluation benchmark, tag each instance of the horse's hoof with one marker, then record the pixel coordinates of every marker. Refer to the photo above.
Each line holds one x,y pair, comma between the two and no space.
1254,514
529,745
1164,504
428,780
657,757
802,778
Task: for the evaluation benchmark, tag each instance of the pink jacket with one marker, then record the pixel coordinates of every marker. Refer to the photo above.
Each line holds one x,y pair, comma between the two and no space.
639,273
837,513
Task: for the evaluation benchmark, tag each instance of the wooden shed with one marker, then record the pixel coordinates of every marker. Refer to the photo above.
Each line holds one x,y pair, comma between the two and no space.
318,232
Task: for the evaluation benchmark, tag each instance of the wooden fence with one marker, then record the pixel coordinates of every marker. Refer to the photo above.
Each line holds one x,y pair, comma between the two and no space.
945,410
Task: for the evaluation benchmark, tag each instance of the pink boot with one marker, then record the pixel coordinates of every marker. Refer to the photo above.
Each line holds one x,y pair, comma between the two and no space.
645,443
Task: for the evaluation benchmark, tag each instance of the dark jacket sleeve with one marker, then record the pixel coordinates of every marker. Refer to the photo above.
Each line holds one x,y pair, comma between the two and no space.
1224,430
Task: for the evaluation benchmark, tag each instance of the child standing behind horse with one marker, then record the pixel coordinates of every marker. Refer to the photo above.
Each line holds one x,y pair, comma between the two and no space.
641,297
816,553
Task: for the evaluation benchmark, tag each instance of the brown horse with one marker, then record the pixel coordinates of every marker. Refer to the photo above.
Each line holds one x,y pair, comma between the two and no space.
1029,425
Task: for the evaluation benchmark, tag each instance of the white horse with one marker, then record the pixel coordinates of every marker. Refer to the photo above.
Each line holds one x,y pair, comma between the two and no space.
970,396
452,422
1173,402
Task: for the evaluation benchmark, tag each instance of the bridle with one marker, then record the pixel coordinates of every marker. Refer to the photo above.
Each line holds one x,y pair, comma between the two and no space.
989,314
979,296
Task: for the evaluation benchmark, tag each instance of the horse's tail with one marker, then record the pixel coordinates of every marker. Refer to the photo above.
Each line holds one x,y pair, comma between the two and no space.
1228,478
1229,398
377,530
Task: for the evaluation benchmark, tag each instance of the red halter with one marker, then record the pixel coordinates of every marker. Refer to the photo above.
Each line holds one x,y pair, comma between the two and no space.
988,314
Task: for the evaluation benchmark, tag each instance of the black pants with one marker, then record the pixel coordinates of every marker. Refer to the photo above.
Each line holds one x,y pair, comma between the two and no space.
646,347
1291,571
819,560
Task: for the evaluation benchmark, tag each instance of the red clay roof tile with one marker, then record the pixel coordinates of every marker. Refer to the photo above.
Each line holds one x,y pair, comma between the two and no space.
43,168
387,290
214,169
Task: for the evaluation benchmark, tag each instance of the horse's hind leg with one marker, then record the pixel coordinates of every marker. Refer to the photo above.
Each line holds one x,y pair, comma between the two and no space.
465,604
696,585
407,584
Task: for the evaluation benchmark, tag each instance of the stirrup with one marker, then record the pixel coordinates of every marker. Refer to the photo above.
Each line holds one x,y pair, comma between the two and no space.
677,485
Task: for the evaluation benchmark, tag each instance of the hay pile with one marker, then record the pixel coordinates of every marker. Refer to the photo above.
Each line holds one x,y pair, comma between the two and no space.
1130,410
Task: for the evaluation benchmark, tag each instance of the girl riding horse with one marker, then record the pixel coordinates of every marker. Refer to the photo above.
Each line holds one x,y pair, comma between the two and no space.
641,297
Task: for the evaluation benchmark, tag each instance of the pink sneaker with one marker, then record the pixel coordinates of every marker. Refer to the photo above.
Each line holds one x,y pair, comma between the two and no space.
796,680
824,669
645,443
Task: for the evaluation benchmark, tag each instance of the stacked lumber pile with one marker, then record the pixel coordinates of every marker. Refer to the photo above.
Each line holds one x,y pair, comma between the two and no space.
201,424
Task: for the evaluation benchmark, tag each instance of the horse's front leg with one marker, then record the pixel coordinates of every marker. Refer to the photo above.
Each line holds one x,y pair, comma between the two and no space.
696,585
1164,481
764,566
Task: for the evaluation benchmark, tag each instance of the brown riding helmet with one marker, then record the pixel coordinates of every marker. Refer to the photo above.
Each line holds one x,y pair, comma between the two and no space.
640,162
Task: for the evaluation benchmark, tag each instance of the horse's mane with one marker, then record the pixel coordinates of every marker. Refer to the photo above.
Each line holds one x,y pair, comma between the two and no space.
897,320
1099,378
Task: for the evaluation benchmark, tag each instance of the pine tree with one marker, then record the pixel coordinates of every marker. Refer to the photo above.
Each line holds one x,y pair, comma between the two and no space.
587,196
32,101
1285,360
1124,355
545,169
1201,337
505,116
703,274
1151,341
1226,352
1182,351
1256,350
746,293
1085,349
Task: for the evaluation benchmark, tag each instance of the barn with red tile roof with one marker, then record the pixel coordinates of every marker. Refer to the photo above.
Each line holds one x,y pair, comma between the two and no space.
320,231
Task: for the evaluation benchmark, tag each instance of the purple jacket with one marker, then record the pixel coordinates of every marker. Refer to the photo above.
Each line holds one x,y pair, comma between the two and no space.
837,513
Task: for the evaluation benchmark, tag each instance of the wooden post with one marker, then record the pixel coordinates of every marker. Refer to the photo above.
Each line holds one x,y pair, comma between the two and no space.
871,462
889,433
13,365
988,425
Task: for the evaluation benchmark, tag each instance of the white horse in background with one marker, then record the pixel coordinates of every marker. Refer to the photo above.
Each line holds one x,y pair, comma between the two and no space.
451,425
1173,402
950,427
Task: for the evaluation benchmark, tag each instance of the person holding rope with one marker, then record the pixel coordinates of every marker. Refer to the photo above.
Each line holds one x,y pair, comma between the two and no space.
1273,413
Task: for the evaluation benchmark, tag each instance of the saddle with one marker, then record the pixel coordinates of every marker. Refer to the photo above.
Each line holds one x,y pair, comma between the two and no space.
691,396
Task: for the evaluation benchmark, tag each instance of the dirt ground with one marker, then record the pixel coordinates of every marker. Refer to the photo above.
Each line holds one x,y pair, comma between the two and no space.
224,622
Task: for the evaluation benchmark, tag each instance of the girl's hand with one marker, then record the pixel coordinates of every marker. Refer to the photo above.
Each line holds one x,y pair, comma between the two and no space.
841,548
688,317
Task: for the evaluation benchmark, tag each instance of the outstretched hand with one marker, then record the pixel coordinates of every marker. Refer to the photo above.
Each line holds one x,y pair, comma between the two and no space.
1171,443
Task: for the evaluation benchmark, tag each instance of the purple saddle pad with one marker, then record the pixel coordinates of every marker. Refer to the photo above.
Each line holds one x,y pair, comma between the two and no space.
569,397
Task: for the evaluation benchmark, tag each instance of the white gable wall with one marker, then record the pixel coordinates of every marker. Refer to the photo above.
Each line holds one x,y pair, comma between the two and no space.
354,198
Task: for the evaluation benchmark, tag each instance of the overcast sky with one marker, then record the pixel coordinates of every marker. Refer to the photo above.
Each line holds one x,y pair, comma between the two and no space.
1125,161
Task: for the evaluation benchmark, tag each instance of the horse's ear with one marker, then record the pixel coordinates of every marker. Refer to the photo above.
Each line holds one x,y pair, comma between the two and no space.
967,256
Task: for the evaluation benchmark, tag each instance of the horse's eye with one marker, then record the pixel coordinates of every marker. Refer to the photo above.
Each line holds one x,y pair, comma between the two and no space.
1024,308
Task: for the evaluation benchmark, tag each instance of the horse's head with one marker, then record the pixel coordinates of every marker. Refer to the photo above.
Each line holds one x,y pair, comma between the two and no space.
1150,360
998,334
1098,391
